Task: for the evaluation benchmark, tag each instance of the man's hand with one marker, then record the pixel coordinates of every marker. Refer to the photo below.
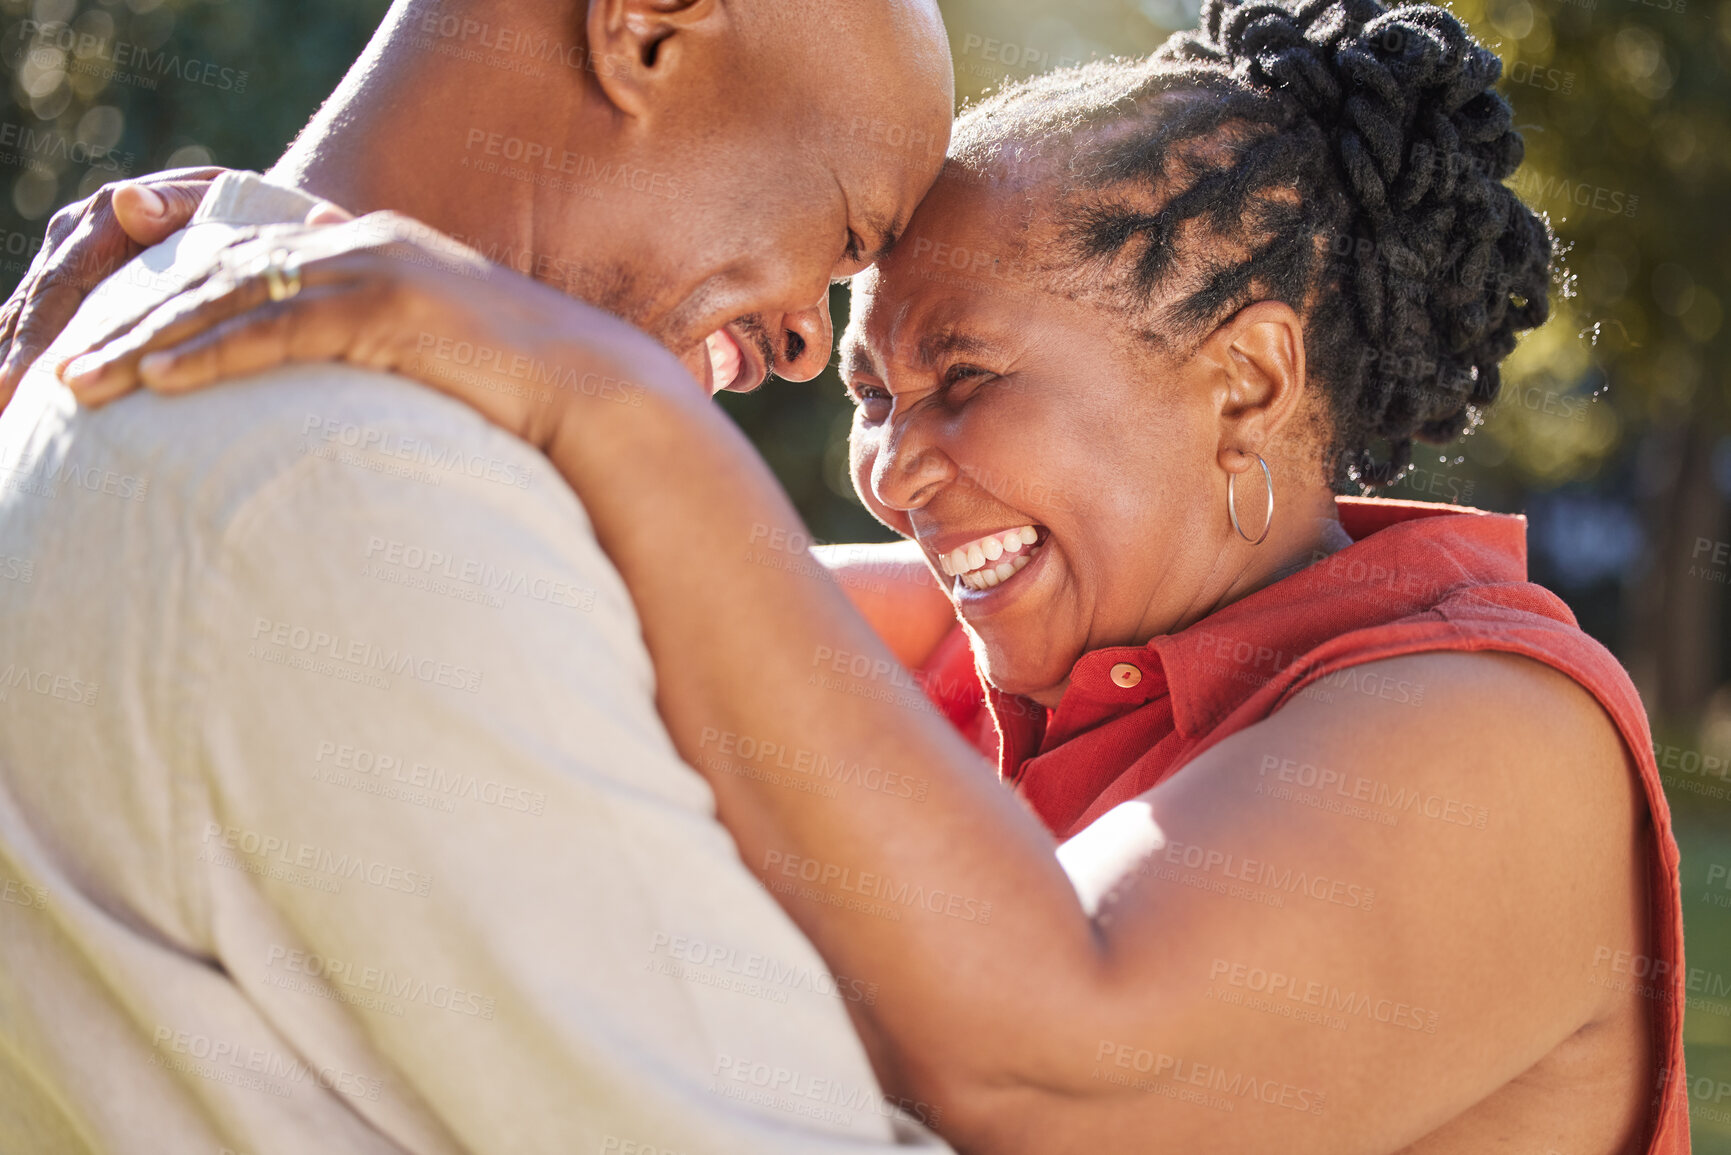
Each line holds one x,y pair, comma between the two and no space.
86,242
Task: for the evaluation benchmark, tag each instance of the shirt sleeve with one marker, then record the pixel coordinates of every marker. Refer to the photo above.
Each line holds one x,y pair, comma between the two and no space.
445,845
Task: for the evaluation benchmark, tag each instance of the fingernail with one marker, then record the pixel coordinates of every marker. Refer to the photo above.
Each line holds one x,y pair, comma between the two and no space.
82,371
154,363
153,204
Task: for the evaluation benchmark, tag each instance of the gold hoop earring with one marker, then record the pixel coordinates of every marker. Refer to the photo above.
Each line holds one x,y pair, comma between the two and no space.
1232,503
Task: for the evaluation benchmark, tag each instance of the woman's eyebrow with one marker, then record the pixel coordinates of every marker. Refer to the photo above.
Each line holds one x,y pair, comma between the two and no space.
855,358
935,346
889,229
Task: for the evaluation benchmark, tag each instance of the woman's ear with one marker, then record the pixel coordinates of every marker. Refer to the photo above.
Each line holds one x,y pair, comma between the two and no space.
635,45
1259,357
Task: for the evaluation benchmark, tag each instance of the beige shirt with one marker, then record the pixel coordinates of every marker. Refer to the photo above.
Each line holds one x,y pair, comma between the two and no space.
335,812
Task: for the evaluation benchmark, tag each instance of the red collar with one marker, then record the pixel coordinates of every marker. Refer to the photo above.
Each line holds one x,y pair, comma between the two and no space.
1406,557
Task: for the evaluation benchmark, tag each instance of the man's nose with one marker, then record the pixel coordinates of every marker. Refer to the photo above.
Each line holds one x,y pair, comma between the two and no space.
803,344
911,466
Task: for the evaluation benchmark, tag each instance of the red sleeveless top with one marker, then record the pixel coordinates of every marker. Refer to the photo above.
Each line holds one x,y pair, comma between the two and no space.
1418,578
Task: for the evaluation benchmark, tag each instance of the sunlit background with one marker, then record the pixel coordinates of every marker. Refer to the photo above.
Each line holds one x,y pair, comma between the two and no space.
1612,435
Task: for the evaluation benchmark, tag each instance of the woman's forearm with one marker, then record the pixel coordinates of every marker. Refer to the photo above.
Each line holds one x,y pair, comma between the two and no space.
942,890
891,586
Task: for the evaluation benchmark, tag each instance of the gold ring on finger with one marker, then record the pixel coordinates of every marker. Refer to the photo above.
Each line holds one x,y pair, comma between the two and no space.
282,275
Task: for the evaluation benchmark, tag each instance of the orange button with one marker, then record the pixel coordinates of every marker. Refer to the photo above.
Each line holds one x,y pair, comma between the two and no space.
1126,675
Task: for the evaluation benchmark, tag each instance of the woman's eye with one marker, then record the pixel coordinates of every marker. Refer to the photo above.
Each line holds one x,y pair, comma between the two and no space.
960,374
872,400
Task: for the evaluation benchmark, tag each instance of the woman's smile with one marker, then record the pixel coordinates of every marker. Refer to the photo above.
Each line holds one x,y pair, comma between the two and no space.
990,560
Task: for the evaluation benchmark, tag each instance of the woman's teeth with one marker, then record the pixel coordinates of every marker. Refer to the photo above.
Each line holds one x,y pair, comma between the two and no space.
990,560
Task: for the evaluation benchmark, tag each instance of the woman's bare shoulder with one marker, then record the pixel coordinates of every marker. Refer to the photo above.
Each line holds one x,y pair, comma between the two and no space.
1529,752
1476,706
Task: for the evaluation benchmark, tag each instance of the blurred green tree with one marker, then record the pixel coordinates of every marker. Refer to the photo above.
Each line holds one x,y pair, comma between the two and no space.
98,89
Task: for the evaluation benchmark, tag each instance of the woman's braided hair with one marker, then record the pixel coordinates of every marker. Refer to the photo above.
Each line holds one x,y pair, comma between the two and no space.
1341,157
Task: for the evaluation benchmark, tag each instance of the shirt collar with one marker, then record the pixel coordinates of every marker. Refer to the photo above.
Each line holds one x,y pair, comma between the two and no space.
246,198
1405,559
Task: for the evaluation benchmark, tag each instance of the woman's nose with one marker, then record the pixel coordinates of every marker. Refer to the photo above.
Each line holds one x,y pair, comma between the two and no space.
910,467
802,347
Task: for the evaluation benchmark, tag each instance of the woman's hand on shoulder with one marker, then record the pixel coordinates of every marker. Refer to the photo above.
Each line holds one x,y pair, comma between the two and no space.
87,241
381,292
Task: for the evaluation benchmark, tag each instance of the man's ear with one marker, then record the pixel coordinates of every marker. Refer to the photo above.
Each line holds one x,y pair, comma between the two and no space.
1258,355
635,44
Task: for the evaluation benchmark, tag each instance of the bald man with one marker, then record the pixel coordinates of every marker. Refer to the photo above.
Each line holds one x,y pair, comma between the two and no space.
335,811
